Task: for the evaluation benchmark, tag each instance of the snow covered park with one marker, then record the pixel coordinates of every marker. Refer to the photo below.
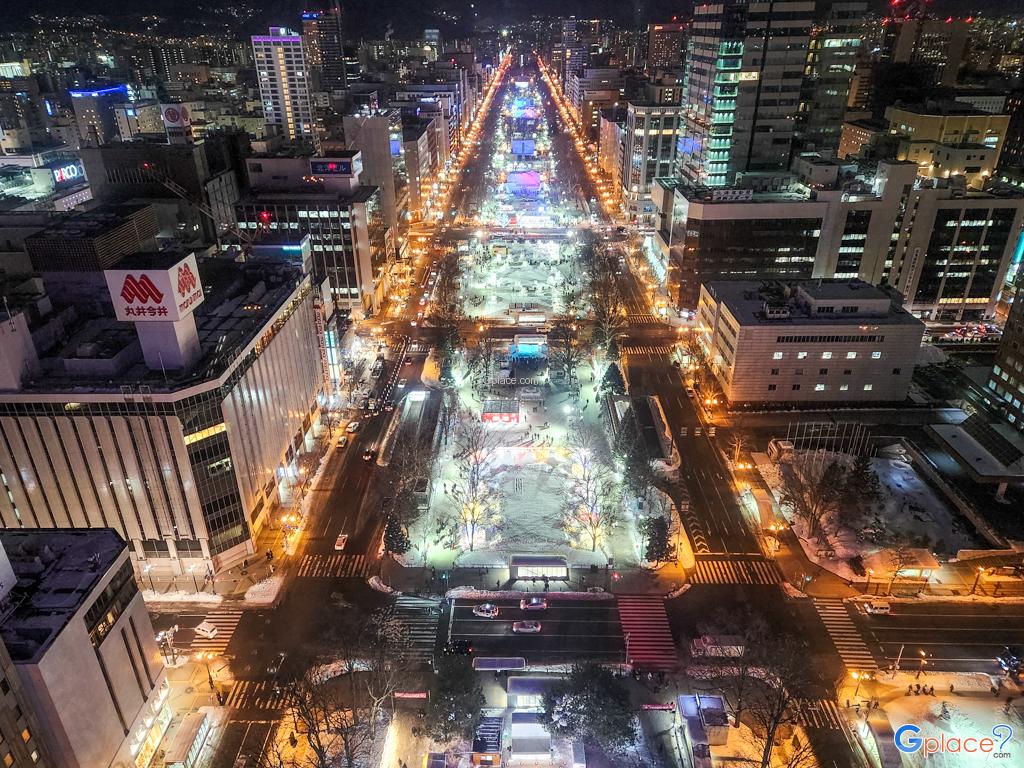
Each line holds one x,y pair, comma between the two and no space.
895,509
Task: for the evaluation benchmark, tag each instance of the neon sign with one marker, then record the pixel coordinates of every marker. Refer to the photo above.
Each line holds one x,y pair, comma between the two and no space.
67,173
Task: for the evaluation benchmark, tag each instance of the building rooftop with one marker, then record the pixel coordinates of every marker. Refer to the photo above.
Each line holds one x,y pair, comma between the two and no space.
57,570
311,192
90,223
83,352
827,303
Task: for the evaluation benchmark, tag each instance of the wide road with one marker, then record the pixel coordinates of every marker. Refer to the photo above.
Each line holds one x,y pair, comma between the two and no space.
957,637
570,630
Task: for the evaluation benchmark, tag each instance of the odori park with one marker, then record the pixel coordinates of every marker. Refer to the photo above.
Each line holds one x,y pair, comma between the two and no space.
534,443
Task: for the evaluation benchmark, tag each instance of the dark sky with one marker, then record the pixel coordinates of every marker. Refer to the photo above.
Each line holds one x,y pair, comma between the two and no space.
370,17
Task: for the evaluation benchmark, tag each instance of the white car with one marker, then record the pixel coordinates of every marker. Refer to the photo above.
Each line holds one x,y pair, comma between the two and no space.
340,542
207,629
486,610
353,426
402,383
533,604
526,627
690,392
343,441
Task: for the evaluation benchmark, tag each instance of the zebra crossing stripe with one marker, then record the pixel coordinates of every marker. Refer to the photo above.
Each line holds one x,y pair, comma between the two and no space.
845,636
225,620
421,624
249,694
722,571
821,713
647,350
334,566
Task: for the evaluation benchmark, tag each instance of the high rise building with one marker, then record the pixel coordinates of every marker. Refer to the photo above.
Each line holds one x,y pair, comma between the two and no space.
665,45
1007,377
324,39
744,69
593,89
939,44
284,82
1013,147
649,150
377,136
832,52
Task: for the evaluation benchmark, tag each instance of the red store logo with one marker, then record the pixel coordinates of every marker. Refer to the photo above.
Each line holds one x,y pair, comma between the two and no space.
141,290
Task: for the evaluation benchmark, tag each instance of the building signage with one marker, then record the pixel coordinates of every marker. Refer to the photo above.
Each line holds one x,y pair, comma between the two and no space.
345,166
670,707
410,694
164,295
175,115
69,174
516,382
321,343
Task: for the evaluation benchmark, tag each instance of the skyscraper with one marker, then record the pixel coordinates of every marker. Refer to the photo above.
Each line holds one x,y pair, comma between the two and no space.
324,44
284,82
665,45
831,57
744,68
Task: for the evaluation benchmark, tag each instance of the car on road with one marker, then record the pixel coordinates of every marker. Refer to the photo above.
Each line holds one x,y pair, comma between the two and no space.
526,627
402,383
458,648
389,406
340,542
690,392
343,441
533,603
1011,659
485,610
206,629
369,454
353,427
879,607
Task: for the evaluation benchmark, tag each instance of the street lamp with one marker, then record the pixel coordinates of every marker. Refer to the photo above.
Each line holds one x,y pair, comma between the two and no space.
147,570
856,676
923,664
977,578
867,585
206,657
192,573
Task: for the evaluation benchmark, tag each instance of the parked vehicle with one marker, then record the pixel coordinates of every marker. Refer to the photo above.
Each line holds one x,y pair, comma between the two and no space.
878,607
353,427
486,610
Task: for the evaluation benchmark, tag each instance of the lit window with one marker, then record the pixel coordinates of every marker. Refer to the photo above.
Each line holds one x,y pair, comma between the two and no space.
26,734
851,355
826,355
843,387
876,355
868,387
777,356
801,355
819,387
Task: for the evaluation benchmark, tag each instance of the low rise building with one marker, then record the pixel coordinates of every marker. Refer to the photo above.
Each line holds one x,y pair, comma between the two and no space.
807,342
83,649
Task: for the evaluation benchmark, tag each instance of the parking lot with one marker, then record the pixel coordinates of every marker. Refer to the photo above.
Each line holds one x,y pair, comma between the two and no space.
570,630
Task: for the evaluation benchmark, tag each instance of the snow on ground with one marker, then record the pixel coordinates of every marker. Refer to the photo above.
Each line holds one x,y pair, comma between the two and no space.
264,592
180,596
534,273
970,711
909,507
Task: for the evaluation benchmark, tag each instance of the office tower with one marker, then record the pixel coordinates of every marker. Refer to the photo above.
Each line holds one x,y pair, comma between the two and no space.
95,113
744,68
377,136
665,44
592,89
1007,377
1012,155
649,151
284,82
135,118
831,59
88,669
940,45
324,38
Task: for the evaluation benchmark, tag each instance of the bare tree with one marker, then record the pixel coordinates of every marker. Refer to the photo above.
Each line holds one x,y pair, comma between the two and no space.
476,503
775,704
411,460
737,445
899,555
592,499
606,302
812,489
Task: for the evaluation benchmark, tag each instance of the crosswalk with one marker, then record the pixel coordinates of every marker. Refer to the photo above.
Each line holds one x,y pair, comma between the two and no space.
726,570
646,632
820,713
335,566
420,617
225,619
642,318
844,633
257,694
646,350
